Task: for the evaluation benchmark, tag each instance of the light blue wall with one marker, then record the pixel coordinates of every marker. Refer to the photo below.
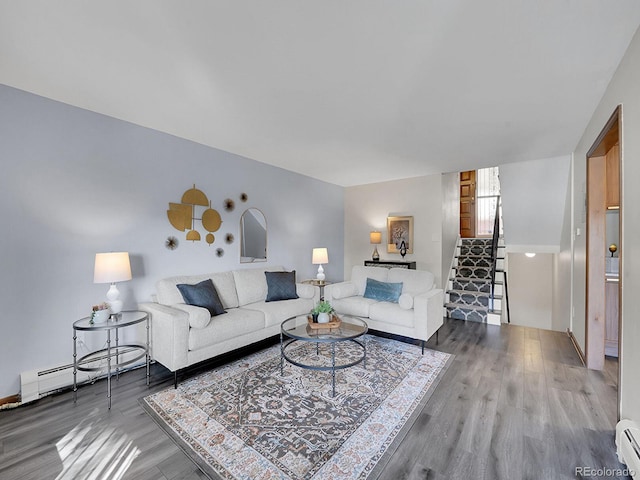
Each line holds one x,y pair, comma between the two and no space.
73,183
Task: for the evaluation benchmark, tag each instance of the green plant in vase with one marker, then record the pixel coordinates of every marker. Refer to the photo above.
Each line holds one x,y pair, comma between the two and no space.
323,310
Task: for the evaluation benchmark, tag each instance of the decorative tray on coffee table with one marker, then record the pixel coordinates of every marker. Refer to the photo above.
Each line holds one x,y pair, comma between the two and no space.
334,323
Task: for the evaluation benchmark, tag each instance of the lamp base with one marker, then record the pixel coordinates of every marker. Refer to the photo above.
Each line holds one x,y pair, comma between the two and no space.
375,256
113,299
320,275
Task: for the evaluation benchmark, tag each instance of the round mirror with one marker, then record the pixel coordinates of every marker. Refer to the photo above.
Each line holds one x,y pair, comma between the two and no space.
253,236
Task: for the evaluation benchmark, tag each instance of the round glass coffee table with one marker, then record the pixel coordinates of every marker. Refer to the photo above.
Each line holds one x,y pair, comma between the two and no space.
298,329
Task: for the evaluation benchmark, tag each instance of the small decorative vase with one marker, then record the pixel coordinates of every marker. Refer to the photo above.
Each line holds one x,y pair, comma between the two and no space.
403,249
100,316
323,317
314,317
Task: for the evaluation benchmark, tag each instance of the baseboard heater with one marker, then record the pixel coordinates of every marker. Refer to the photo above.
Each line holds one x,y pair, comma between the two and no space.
628,449
35,384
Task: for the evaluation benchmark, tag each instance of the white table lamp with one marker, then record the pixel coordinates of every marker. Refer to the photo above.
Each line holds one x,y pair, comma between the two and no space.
110,268
319,257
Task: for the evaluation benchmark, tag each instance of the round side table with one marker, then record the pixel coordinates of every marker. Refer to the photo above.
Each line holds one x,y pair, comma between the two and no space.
113,324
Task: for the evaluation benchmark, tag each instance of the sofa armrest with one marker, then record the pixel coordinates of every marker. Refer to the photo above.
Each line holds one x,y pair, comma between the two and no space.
305,290
169,335
428,312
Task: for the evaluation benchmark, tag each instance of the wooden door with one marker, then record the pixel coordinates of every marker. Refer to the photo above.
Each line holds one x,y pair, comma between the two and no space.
611,319
468,204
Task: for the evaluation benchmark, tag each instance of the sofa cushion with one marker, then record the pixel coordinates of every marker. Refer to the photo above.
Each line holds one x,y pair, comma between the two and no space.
359,275
343,290
226,288
358,306
168,293
251,284
277,312
413,281
382,291
236,322
202,294
406,301
281,286
387,312
199,317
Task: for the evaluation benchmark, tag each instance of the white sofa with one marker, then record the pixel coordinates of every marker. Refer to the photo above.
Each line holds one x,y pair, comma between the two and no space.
183,335
417,315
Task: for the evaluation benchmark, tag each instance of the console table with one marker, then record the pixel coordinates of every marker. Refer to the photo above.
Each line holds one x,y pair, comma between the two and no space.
116,321
390,264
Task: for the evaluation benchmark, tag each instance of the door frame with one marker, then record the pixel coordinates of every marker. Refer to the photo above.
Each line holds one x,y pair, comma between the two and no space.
596,244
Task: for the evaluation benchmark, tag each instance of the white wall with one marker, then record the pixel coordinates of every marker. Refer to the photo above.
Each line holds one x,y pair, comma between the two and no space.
623,89
74,183
533,200
368,206
562,267
450,220
531,290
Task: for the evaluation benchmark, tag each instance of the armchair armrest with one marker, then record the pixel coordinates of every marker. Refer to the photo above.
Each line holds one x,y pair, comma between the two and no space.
339,290
428,312
169,335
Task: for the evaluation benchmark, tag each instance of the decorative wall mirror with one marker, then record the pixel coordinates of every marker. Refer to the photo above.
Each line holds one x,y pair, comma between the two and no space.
253,236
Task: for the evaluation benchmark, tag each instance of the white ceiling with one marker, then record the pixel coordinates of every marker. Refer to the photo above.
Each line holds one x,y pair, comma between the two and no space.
349,92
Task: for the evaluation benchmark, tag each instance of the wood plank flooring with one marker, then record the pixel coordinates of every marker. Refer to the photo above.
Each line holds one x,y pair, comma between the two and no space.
515,404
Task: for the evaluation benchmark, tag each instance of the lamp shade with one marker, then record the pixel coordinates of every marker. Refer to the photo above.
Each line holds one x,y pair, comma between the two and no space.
320,256
375,238
112,267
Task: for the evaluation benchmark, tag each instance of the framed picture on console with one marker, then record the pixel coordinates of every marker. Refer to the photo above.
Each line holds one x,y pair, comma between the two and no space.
399,230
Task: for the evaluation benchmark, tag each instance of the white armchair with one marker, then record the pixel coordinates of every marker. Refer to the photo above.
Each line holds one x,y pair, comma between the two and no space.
416,314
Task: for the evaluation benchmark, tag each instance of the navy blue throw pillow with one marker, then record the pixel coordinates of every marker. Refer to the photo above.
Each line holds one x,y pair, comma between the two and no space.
281,286
383,291
202,294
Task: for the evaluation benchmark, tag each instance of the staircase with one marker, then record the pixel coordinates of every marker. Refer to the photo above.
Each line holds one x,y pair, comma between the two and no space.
469,287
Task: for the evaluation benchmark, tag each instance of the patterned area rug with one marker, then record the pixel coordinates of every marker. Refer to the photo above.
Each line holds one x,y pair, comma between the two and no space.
246,420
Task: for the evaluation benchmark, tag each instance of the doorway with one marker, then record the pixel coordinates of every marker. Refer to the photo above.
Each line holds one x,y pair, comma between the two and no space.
479,199
468,204
604,249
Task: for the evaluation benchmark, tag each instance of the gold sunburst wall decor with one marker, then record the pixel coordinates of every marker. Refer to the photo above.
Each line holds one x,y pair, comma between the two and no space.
184,215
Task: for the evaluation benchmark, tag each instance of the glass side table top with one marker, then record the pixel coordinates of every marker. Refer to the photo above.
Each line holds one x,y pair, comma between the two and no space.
122,319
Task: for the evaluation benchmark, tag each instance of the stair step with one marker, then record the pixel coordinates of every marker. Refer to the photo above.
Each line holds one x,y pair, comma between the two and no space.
473,272
473,292
472,267
466,312
470,307
478,256
485,262
470,299
475,280
477,241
